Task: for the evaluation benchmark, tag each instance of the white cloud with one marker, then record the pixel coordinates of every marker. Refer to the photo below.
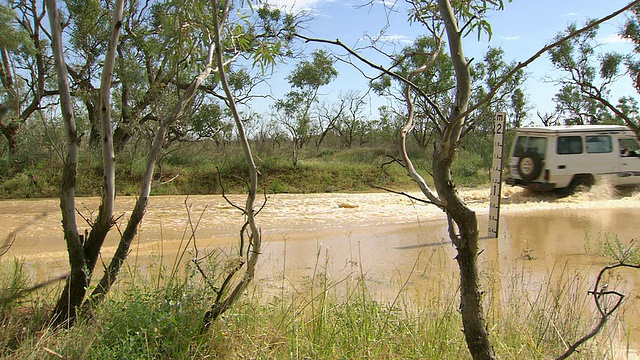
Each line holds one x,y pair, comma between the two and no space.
388,3
613,39
297,5
395,38
510,38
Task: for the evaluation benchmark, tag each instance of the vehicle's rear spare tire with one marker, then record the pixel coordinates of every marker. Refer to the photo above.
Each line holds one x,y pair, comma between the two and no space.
529,166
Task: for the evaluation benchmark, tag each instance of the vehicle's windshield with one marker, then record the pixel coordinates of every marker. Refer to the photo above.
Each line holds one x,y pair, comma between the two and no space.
530,144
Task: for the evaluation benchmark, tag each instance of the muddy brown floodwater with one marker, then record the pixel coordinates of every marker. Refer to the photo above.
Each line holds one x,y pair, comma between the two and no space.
389,239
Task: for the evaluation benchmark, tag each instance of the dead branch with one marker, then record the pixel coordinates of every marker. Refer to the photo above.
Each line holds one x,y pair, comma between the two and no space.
160,183
600,292
392,161
32,288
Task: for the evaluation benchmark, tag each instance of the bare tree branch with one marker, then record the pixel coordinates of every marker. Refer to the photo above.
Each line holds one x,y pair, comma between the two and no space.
377,67
600,292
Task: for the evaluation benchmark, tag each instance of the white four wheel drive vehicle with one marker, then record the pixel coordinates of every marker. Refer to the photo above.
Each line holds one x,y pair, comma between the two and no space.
566,157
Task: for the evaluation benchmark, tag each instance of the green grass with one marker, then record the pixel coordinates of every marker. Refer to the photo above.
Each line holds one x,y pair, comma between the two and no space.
201,168
320,319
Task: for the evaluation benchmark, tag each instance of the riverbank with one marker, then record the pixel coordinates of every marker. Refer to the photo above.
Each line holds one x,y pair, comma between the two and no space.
199,170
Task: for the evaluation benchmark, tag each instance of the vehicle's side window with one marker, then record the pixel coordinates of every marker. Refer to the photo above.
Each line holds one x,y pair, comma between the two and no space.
629,147
597,144
569,145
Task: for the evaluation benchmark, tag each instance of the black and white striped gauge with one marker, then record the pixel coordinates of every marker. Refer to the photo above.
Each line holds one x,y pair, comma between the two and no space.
496,173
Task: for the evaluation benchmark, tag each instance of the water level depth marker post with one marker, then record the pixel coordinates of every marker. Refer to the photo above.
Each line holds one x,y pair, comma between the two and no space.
496,173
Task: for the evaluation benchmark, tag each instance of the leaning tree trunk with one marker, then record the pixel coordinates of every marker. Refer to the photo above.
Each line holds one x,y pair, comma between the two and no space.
137,214
223,303
466,241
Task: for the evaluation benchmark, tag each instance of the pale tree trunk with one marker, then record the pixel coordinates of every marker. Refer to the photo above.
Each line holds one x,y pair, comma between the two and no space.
463,224
138,212
77,280
222,303
83,254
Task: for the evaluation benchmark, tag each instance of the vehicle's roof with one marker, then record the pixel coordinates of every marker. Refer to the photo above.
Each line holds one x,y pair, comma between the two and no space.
574,128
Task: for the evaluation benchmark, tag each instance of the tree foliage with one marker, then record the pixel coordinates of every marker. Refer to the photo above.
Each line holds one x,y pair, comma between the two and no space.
25,68
155,89
294,111
584,96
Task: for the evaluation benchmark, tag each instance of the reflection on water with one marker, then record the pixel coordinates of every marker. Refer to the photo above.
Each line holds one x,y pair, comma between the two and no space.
385,238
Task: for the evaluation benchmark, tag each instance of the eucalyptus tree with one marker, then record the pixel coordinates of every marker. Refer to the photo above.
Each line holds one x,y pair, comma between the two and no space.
439,81
449,17
485,75
88,31
147,77
589,76
25,67
437,84
519,108
219,34
294,111
83,252
510,97
151,79
211,121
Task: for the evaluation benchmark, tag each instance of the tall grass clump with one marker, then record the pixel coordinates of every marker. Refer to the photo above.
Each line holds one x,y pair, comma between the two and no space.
537,316
329,320
158,315
22,315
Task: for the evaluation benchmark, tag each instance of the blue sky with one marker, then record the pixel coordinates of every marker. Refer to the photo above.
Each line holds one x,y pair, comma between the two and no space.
520,30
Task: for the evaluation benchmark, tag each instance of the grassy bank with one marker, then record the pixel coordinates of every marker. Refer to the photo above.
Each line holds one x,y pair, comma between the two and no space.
201,168
316,318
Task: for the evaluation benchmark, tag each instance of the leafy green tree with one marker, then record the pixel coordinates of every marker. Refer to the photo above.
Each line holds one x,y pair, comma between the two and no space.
486,74
88,32
211,122
585,91
25,67
294,111
519,108
437,83
220,35
631,32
